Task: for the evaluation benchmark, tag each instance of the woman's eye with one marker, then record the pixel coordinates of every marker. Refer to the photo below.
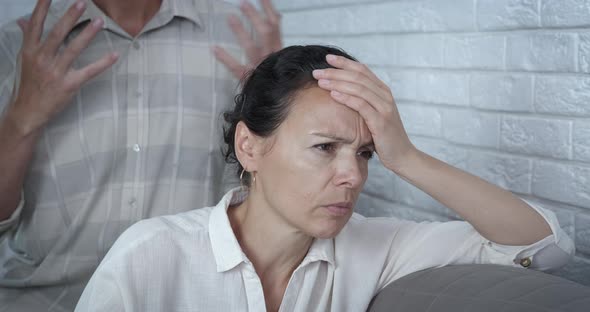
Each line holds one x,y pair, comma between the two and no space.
325,147
366,154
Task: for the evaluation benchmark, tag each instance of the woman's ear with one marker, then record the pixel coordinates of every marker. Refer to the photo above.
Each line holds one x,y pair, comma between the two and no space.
246,147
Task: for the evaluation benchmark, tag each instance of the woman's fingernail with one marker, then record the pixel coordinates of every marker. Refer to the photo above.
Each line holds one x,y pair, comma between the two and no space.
336,94
97,22
324,82
331,57
80,5
318,73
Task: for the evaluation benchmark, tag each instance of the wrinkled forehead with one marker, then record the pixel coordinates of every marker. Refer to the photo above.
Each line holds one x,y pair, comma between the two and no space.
314,110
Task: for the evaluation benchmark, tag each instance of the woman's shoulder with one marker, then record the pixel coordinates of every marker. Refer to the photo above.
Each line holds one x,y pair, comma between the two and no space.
168,231
190,221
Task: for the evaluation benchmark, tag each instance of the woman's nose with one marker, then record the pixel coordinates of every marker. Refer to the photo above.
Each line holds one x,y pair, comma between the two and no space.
349,174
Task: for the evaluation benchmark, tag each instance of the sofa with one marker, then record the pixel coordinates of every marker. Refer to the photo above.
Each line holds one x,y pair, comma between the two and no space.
481,288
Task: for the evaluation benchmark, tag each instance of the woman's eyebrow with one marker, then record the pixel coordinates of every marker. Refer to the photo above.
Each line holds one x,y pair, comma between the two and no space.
337,138
331,136
370,145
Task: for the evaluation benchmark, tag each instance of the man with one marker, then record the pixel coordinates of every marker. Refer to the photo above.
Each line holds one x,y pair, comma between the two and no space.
109,115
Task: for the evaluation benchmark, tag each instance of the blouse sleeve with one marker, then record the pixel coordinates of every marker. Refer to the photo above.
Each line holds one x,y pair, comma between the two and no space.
417,246
103,293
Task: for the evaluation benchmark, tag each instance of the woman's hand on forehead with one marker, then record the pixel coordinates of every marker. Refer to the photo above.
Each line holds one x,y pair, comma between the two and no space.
353,84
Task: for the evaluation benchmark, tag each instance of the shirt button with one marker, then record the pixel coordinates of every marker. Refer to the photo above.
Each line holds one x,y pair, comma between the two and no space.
136,148
131,201
136,45
526,262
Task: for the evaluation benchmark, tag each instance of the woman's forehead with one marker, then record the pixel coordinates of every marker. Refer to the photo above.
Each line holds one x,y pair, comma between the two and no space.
315,111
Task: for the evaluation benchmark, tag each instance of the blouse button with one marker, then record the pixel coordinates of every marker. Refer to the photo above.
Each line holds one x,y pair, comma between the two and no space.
526,262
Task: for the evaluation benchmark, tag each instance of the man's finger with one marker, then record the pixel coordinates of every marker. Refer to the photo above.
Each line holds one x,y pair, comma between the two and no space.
63,27
273,16
234,66
80,43
23,24
83,75
37,20
255,18
244,39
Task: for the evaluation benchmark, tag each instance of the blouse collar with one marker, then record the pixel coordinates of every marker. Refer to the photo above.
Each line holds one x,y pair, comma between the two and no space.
226,249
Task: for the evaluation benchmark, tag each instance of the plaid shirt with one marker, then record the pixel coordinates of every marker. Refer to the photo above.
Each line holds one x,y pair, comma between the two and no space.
141,140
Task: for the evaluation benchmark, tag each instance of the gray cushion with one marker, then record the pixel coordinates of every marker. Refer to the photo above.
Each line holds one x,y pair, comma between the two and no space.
481,288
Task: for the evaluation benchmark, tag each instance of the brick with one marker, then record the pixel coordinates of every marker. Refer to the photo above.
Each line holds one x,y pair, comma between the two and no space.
384,184
389,17
584,52
367,49
443,88
316,22
510,173
507,14
422,120
562,13
442,150
581,140
564,95
502,92
419,50
582,238
401,82
561,182
534,136
440,16
381,181
371,206
541,52
410,195
473,128
286,5
484,52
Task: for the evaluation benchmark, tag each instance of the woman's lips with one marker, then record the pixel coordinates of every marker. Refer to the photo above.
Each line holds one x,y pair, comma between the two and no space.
339,209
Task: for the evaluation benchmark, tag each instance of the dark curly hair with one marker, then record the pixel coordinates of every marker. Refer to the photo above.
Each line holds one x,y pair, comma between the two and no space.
268,90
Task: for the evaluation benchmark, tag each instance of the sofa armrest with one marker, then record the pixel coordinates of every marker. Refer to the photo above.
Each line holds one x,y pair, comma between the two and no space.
481,287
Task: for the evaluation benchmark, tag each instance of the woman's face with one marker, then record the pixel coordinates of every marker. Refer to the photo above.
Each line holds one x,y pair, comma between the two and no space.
316,164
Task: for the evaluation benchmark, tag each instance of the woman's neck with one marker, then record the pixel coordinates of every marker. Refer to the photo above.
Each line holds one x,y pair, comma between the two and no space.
131,15
274,247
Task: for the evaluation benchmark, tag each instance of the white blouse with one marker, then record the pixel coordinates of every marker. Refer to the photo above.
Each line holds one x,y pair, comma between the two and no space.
193,262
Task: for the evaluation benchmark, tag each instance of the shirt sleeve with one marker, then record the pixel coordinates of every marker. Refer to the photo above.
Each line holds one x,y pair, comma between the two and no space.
418,246
6,225
10,41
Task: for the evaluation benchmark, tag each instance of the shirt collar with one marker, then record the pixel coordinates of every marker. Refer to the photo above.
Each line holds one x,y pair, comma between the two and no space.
169,8
226,249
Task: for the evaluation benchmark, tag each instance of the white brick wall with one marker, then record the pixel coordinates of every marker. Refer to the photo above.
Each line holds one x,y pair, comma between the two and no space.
496,87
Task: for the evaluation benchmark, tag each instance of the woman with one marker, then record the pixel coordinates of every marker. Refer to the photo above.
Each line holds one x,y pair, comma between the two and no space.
302,132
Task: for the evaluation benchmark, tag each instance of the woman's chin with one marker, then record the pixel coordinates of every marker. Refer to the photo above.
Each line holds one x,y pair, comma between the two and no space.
329,229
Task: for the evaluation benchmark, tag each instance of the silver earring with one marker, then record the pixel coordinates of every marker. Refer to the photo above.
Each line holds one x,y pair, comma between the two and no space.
242,178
